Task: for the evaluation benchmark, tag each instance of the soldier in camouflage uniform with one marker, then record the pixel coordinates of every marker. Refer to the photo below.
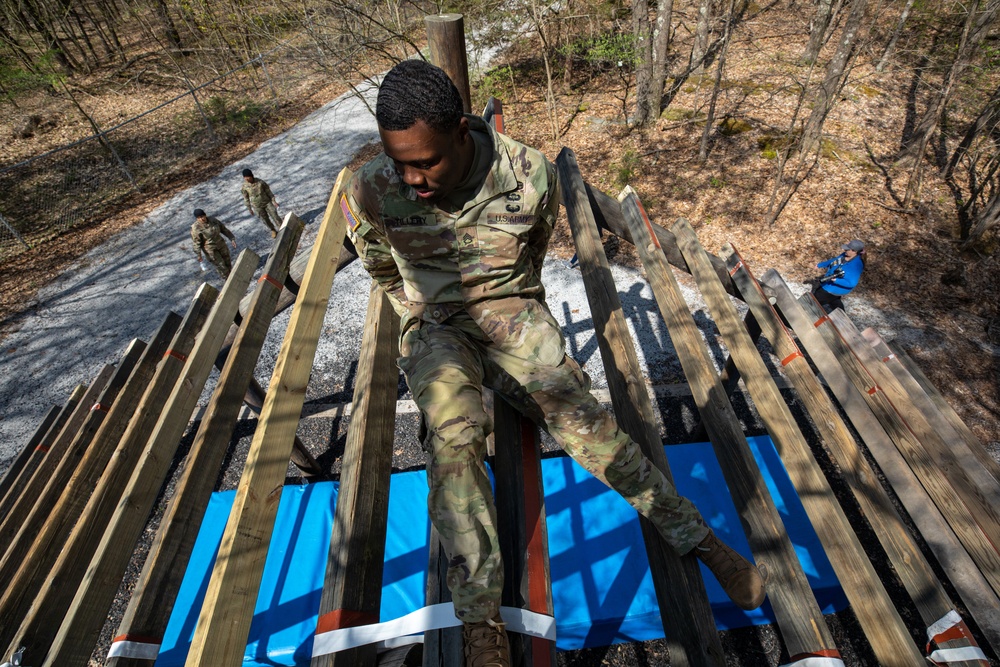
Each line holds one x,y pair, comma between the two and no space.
453,220
207,233
257,195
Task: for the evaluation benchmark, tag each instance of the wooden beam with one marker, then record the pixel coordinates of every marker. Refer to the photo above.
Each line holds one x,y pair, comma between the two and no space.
968,451
981,601
798,614
221,634
28,497
11,478
352,590
927,467
36,570
885,630
918,578
51,522
442,648
687,617
162,573
86,612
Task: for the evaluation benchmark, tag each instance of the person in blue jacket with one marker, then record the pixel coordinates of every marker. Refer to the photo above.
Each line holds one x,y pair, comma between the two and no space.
843,273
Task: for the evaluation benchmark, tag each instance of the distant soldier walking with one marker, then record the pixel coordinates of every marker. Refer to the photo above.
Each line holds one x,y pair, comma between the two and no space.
207,233
258,196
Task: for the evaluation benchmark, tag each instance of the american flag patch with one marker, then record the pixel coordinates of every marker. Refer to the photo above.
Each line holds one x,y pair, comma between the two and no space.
352,221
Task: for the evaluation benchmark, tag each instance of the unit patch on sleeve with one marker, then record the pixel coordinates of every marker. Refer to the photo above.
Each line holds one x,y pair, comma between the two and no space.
352,221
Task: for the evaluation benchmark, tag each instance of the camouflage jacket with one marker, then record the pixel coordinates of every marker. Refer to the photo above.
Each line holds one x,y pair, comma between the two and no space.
209,234
256,194
485,259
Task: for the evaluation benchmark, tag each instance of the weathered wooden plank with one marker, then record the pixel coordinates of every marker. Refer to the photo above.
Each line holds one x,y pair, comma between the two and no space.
798,614
521,528
221,635
918,578
69,513
61,463
32,552
86,611
156,590
352,592
30,494
945,408
687,617
926,466
968,451
886,632
11,478
442,648
963,572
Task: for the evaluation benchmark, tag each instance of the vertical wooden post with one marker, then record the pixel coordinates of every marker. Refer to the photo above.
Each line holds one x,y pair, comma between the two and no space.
352,590
446,38
221,634
687,617
162,573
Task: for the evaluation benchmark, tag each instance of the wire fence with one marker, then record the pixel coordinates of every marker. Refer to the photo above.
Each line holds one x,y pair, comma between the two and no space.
87,180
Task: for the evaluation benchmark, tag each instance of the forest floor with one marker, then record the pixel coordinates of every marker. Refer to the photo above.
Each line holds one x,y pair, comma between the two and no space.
915,271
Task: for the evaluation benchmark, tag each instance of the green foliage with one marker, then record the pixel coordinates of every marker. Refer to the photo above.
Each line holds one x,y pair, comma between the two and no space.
232,117
497,82
15,79
769,154
730,127
716,182
624,170
677,115
607,51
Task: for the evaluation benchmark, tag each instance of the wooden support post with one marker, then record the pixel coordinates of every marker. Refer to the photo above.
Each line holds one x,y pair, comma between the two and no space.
442,648
31,556
352,592
69,517
687,616
798,614
918,578
221,635
968,451
156,590
12,478
59,465
885,630
86,612
446,39
23,502
521,527
981,601
966,524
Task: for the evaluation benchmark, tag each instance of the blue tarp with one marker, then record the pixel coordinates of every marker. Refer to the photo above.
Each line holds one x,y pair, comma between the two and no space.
601,585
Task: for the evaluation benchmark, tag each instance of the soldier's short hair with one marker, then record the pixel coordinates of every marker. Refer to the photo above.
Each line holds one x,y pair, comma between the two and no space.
416,90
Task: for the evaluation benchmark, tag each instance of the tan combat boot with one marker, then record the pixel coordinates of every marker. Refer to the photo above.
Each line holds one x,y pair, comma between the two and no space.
486,643
741,580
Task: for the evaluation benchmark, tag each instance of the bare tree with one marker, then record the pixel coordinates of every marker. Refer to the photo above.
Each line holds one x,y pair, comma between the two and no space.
720,65
700,46
643,62
648,100
891,46
818,27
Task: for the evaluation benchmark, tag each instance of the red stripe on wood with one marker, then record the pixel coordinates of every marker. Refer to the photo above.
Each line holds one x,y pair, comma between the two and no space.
649,225
821,321
873,390
822,653
790,358
98,407
537,578
175,354
739,265
270,279
498,122
958,631
344,618
42,448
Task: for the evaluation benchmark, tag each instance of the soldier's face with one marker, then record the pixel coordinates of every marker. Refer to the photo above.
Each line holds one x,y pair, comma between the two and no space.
433,163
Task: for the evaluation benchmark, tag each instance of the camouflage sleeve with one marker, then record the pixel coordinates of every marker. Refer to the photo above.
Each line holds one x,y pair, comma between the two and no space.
373,249
265,191
246,195
197,241
225,232
538,240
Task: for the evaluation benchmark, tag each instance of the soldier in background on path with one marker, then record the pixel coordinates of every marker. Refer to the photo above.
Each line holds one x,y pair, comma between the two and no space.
257,195
207,233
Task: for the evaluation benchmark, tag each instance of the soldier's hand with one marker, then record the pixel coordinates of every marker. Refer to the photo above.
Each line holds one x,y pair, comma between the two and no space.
234,245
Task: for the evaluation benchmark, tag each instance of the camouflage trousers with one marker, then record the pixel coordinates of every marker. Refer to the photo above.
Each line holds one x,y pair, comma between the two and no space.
219,257
268,214
446,366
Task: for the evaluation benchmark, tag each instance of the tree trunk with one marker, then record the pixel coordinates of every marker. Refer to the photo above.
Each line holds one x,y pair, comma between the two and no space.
987,117
700,46
643,62
973,30
817,31
984,221
720,66
891,46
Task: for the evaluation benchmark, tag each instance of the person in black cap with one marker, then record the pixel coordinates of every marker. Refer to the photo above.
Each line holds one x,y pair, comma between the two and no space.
207,233
843,273
257,195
